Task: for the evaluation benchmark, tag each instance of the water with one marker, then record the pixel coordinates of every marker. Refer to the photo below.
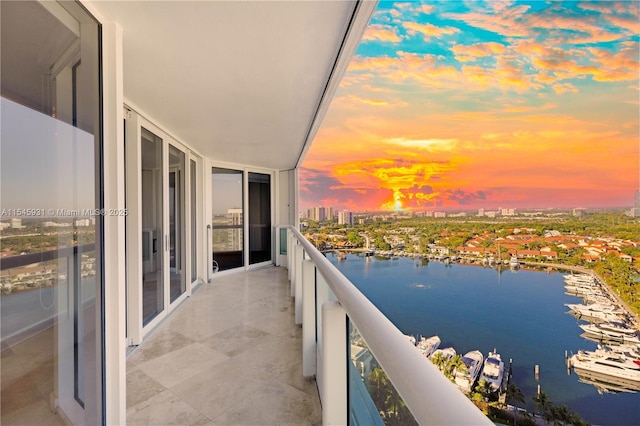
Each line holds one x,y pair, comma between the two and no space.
521,314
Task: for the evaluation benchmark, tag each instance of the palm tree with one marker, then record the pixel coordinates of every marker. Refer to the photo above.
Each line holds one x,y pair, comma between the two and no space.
438,360
484,388
378,385
543,403
453,365
561,414
514,393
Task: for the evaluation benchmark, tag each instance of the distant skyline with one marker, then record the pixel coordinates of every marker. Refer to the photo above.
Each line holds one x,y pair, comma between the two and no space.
464,105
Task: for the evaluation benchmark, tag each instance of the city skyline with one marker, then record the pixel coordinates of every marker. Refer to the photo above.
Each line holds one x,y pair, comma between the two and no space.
466,105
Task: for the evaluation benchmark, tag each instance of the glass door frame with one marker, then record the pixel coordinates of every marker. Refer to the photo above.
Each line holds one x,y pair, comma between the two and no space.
136,330
245,228
272,214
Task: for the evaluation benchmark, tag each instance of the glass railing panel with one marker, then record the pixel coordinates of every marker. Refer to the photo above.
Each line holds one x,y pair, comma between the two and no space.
372,397
28,303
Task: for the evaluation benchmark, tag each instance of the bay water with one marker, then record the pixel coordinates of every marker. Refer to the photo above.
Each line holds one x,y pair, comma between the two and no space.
521,314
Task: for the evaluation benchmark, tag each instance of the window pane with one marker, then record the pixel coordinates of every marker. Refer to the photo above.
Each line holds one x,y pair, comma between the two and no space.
152,236
227,220
259,218
50,269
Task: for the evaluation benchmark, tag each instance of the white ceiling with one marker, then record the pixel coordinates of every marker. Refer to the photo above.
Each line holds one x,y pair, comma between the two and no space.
239,81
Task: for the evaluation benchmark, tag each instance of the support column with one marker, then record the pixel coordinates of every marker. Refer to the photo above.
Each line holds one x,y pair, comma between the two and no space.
308,318
334,365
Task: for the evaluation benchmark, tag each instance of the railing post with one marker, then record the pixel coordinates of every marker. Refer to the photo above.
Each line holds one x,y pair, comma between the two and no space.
290,239
298,283
334,365
308,318
293,266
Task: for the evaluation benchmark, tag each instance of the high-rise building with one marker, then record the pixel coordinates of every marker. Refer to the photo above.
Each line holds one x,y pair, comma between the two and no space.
345,217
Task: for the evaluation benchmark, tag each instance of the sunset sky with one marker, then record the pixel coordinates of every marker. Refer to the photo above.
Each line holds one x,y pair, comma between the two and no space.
459,105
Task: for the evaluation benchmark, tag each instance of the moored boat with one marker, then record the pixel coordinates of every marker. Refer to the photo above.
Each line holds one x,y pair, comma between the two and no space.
493,370
613,330
465,378
428,346
446,353
607,366
597,311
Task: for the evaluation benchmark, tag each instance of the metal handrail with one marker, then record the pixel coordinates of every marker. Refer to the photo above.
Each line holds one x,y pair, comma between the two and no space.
430,396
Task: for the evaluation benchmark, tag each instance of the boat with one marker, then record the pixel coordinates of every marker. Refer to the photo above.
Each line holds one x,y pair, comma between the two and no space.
597,311
614,330
513,262
493,370
465,378
607,366
411,339
446,353
580,278
428,346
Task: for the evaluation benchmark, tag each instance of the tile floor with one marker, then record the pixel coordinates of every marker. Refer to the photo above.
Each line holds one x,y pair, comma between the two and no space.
230,355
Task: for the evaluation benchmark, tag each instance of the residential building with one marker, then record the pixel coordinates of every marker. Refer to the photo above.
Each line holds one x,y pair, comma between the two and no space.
507,212
182,125
345,217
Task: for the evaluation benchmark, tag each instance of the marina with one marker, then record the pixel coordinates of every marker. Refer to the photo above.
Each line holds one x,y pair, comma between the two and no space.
520,312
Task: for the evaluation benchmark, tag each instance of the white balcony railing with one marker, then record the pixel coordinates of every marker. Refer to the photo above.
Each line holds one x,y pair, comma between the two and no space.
324,298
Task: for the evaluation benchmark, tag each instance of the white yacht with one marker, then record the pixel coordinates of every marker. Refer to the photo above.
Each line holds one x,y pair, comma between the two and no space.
607,366
513,262
446,353
614,330
597,311
465,379
428,346
581,278
411,339
493,370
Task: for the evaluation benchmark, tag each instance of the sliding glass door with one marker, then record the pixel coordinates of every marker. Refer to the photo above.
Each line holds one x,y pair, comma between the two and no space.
152,223
228,219
177,236
156,238
231,191
259,218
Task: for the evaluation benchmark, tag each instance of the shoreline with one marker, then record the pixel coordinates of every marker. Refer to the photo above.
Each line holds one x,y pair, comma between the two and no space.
635,318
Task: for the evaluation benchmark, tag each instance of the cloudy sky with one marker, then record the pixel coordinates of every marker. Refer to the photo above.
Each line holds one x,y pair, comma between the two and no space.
472,104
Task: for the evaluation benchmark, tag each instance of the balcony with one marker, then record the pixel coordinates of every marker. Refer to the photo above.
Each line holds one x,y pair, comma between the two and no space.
233,354
230,355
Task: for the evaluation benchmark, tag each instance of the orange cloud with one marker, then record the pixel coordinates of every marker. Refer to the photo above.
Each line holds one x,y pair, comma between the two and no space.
467,53
381,33
508,23
428,31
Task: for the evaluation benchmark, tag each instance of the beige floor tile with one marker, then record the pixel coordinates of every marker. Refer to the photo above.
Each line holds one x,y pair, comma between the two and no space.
231,353
165,409
274,403
236,340
179,365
